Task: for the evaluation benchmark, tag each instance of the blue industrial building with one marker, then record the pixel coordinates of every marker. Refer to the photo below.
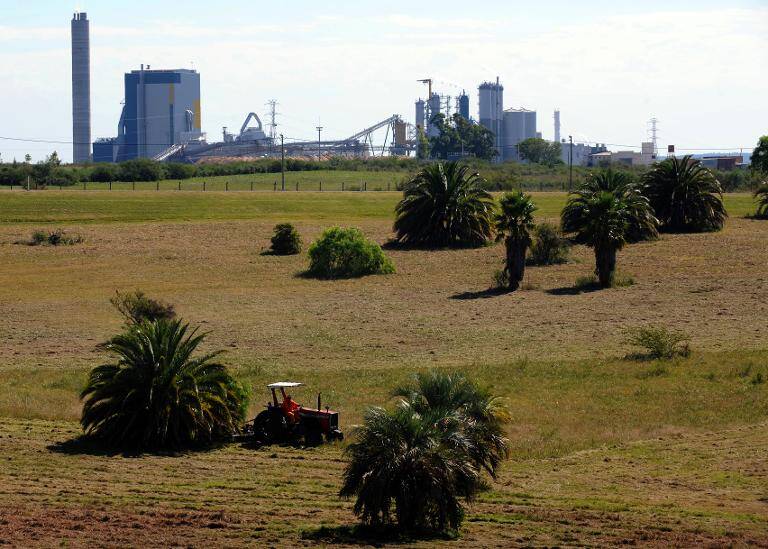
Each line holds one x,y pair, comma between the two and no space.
162,109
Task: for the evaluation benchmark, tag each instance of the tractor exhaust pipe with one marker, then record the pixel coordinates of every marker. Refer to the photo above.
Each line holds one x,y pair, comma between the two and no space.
318,401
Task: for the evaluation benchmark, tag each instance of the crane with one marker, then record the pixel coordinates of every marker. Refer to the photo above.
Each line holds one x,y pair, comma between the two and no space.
428,82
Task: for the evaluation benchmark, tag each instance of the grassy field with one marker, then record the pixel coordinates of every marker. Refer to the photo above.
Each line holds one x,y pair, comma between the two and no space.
604,449
320,180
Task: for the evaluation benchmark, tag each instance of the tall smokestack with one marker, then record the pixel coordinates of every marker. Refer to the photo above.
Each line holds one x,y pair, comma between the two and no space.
557,126
81,89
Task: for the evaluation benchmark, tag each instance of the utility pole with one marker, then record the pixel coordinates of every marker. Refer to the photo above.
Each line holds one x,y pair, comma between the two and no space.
282,161
319,129
570,164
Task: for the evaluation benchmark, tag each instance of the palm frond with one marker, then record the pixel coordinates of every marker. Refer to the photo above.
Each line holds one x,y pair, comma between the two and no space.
157,394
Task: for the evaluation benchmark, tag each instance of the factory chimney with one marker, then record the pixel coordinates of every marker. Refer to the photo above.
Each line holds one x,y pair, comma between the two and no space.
557,126
81,89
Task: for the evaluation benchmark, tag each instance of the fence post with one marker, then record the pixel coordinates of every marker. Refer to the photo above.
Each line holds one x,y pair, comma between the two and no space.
157,185
251,185
83,185
342,185
321,186
274,187
133,185
365,186
297,185
179,185
387,186
226,185
203,185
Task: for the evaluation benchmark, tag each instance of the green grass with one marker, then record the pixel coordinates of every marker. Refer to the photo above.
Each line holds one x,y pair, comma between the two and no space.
604,449
77,206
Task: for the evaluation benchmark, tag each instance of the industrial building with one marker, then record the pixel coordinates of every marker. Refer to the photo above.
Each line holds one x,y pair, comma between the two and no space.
81,89
645,157
161,114
436,104
510,126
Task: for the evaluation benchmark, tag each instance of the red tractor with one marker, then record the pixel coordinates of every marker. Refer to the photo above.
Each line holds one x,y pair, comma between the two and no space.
284,420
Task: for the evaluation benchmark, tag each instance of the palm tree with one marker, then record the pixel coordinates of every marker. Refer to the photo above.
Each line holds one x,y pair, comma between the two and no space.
604,219
157,395
514,224
425,456
642,224
761,195
418,467
482,416
444,205
685,195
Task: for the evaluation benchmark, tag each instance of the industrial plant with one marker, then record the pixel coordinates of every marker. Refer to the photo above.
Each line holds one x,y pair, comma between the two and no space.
161,119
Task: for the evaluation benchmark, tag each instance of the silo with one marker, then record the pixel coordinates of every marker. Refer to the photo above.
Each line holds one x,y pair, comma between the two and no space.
557,126
464,105
81,89
434,109
420,113
491,97
519,125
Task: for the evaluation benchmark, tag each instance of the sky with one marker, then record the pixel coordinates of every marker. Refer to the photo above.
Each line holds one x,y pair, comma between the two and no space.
699,67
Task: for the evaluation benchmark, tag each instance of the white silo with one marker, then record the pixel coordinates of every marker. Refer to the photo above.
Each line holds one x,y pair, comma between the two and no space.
491,97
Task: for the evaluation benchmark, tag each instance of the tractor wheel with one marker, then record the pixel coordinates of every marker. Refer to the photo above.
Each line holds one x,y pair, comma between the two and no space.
313,437
270,426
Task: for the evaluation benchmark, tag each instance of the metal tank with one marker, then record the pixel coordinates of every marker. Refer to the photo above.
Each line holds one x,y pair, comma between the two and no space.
519,125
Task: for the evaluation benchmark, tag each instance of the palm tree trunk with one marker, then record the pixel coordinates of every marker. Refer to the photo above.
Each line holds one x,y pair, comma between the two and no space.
515,267
605,265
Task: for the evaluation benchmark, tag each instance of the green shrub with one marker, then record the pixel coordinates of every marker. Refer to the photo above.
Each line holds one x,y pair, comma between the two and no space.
104,173
286,240
56,237
136,308
500,279
549,247
659,342
140,169
590,282
175,170
345,253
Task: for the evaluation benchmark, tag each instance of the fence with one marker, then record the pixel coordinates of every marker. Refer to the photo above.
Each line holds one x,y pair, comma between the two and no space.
214,186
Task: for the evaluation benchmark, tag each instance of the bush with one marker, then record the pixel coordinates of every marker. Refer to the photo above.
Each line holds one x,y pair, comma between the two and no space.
136,308
56,237
549,246
500,279
158,395
105,173
176,170
346,253
591,282
140,169
659,342
286,240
